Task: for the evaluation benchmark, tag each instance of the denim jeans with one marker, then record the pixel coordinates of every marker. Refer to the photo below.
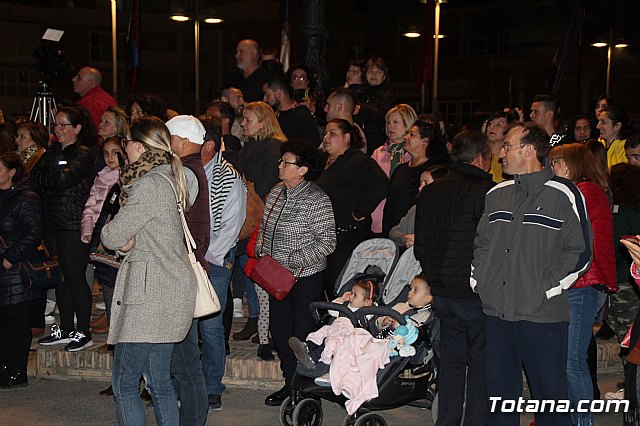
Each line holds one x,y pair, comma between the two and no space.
584,304
130,360
212,330
244,282
186,370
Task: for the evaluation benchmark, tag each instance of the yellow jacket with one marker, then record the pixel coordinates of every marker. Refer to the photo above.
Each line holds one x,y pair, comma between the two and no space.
615,153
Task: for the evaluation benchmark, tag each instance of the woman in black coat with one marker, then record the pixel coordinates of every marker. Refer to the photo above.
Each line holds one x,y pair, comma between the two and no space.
63,179
356,184
21,231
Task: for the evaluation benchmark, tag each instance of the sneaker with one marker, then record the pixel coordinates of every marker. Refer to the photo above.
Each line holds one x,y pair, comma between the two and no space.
56,337
14,378
614,395
215,402
301,352
50,318
237,308
101,306
79,341
323,380
51,306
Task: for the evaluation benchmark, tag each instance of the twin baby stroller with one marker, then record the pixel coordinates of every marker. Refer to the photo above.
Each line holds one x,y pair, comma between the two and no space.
403,381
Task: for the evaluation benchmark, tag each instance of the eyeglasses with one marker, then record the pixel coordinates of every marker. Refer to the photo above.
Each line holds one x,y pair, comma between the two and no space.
61,125
125,142
508,147
282,160
555,161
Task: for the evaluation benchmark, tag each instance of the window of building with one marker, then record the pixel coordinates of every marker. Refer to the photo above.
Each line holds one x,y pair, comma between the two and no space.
101,46
18,82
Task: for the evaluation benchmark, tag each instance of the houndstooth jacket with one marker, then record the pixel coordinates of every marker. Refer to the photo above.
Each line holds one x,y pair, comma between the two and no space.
298,229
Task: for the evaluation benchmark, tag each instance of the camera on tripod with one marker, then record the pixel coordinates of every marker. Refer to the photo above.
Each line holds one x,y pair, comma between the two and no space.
51,65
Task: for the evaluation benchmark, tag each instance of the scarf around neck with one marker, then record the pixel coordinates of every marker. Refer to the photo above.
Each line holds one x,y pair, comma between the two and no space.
149,160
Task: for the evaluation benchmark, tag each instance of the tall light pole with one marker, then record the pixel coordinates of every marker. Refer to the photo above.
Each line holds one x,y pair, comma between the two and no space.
610,45
114,49
182,17
436,42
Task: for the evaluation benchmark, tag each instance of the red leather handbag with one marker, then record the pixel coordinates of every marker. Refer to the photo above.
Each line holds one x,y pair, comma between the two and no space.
273,277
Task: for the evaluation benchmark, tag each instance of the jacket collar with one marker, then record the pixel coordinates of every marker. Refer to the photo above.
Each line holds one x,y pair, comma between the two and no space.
530,182
470,169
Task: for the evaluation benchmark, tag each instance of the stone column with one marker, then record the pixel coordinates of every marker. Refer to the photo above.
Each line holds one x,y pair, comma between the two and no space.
314,36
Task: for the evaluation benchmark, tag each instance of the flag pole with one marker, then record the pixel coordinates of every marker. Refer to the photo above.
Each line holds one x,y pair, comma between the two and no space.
114,48
436,40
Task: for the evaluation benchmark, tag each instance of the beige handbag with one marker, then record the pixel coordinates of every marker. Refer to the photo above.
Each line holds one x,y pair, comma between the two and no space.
207,301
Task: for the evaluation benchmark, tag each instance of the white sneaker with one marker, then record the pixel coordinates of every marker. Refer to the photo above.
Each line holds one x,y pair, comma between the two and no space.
101,306
51,305
614,395
237,308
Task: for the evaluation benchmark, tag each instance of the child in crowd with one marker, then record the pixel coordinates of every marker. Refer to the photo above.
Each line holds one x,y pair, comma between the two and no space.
417,306
363,293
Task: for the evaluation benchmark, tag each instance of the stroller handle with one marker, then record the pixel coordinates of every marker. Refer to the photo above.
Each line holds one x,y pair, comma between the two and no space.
362,313
330,306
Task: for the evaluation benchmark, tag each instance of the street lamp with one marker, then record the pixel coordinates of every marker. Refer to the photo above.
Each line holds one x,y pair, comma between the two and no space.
610,45
180,16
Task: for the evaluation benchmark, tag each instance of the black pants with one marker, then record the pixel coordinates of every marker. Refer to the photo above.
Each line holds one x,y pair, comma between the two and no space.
291,317
542,349
346,242
462,360
37,308
74,294
14,323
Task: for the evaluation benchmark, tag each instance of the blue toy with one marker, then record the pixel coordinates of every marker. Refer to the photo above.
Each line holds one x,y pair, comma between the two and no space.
401,340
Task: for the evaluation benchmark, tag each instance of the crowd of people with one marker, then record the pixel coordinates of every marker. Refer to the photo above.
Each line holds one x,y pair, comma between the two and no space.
524,231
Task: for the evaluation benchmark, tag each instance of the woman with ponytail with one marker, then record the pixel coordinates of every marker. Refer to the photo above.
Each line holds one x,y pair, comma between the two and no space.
154,296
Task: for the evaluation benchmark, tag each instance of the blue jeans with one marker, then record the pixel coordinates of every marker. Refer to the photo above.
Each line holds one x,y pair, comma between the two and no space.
240,280
584,304
214,354
130,360
186,370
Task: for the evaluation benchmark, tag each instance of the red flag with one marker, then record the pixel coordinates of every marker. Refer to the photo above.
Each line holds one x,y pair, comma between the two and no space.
132,56
424,73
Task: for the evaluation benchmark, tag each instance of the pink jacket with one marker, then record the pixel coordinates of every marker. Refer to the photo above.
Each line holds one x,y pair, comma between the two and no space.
383,158
357,357
101,185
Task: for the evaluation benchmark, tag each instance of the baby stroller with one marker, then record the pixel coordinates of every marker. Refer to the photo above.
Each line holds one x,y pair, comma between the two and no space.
403,381
371,259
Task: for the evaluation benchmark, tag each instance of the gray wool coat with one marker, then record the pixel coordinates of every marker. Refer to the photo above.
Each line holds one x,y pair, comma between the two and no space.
155,292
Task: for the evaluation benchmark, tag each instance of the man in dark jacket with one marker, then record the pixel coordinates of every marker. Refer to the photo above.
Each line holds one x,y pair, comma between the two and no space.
533,242
447,215
187,138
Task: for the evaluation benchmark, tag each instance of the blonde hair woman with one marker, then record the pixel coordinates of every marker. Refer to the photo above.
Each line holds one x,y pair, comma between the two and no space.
155,290
259,164
389,156
114,122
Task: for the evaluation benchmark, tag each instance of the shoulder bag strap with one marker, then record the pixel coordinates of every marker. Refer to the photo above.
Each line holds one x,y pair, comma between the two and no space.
191,244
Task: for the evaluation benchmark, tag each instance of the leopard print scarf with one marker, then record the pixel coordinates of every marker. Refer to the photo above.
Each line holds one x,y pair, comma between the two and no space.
134,171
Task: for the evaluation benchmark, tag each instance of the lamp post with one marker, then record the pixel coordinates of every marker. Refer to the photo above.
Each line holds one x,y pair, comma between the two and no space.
610,45
182,17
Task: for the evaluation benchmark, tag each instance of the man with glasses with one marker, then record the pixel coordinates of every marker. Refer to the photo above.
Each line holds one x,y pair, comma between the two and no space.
533,242
632,149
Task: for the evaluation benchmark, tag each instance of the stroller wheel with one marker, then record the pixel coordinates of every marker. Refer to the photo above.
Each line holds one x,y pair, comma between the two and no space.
307,412
286,412
370,419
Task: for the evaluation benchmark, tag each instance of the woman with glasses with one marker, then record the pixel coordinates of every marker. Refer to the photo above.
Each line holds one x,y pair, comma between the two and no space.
303,81
578,164
32,142
259,164
356,184
154,295
63,178
426,147
298,231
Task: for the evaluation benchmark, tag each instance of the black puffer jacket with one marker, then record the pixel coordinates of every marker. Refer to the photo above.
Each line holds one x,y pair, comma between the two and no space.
21,229
63,178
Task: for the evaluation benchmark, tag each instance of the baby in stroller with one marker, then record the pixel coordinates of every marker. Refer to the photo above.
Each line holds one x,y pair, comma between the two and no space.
364,293
417,307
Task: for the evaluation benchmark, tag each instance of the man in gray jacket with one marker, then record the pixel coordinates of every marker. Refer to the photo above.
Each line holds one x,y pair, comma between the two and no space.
533,242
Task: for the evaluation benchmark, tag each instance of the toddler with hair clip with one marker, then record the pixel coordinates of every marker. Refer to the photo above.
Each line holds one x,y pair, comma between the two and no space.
363,293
